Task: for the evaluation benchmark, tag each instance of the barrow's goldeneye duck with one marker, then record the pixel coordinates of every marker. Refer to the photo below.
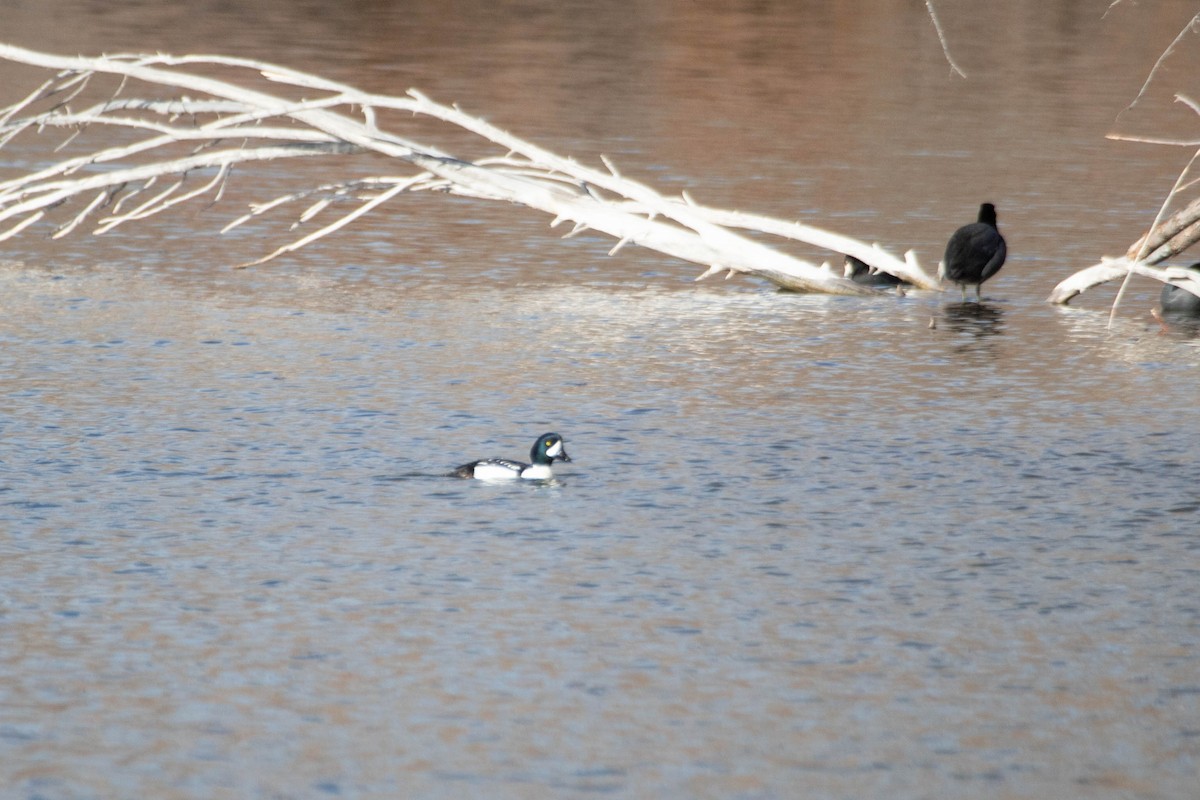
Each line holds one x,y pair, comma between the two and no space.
548,448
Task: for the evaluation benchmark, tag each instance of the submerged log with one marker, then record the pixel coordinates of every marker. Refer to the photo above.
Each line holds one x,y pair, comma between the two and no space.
1166,239
1115,268
223,124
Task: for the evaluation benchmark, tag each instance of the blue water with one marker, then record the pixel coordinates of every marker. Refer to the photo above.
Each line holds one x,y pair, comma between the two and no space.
782,552
807,546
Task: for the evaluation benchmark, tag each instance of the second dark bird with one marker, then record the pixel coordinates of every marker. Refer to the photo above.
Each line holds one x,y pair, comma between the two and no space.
862,273
1177,302
975,252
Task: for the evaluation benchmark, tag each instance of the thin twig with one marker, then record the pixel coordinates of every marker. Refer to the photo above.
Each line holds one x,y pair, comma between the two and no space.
139,212
328,229
161,202
8,112
128,197
102,198
1170,48
1125,137
937,26
1141,253
54,192
22,225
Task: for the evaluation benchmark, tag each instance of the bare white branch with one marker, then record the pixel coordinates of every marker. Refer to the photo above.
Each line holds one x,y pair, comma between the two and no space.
22,225
151,208
937,26
1143,247
1191,25
340,119
102,197
52,193
257,209
140,212
122,199
1166,236
328,229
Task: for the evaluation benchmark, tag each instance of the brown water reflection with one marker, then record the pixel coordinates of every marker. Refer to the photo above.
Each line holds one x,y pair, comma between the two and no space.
809,546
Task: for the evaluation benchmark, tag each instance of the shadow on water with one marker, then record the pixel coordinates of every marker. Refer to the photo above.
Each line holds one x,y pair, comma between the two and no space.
980,323
456,481
414,476
979,319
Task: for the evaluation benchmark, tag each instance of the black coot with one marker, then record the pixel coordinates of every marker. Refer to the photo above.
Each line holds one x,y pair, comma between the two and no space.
859,272
975,252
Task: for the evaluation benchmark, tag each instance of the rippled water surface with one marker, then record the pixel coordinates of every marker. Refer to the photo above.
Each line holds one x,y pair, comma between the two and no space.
807,547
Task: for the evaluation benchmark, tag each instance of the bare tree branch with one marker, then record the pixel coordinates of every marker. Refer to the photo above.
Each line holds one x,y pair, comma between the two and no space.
1192,24
942,39
1139,251
1167,236
328,229
207,113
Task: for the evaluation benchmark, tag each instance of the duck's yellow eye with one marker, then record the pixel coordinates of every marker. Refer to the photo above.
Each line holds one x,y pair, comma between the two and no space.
549,442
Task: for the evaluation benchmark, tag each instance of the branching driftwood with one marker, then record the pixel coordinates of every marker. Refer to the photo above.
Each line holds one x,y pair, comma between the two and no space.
1167,237
226,124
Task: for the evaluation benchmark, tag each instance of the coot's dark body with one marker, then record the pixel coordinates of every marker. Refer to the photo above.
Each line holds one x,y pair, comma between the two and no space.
975,252
1178,302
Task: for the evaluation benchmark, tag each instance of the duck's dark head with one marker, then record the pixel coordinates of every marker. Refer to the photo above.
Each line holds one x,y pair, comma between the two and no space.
548,448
